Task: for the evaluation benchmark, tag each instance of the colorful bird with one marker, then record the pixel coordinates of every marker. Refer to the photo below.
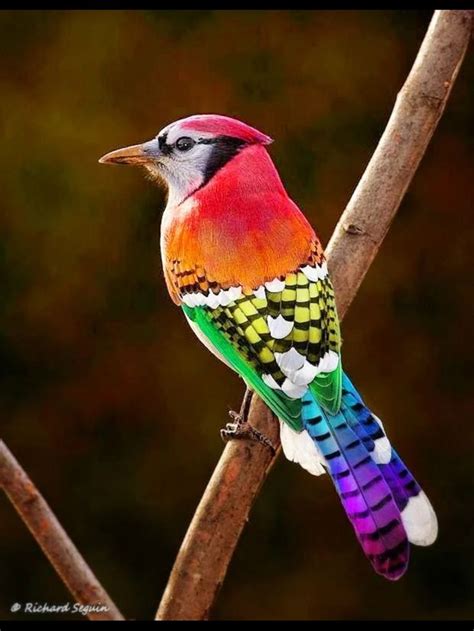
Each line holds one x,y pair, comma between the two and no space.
249,272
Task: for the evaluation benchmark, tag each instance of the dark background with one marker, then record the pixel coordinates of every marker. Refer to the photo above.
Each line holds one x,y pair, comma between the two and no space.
106,397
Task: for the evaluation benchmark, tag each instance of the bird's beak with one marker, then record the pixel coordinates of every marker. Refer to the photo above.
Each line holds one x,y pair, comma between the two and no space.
135,154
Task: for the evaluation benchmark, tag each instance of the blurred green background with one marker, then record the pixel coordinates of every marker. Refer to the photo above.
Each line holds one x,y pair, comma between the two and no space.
107,399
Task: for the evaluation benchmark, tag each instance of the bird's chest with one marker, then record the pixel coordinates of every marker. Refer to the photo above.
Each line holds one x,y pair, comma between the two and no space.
217,242
223,241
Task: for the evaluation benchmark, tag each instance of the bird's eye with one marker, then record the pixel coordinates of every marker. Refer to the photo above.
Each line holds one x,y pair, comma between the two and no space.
185,143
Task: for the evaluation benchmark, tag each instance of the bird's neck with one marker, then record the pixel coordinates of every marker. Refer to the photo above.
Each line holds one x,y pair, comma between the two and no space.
241,227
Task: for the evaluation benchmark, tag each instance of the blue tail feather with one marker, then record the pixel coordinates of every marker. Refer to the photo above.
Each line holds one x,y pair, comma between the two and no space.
364,493
374,485
401,481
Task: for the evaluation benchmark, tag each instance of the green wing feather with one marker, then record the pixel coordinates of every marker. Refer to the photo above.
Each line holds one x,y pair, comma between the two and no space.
327,389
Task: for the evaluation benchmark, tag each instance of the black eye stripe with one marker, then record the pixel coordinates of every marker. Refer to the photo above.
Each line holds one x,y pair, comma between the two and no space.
224,149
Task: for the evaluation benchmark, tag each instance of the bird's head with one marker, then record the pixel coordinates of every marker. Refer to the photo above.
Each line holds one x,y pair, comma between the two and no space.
187,153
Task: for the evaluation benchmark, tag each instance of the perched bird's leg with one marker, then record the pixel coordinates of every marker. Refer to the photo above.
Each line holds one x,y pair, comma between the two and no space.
244,408
240,427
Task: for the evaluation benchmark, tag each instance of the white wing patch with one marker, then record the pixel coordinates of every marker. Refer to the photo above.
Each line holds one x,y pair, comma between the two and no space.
270,382
318,272
300,373
212,300
290,362
305,375
328,362
260,293
276,285
292,390
279,327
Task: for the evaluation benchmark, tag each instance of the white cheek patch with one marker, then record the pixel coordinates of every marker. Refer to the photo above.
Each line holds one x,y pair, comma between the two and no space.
184,171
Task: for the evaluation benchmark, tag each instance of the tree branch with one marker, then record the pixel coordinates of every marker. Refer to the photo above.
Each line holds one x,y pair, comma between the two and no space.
207,549
418,108
48,532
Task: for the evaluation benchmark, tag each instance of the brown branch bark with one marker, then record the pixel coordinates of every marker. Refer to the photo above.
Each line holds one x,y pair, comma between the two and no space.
207,549
50,535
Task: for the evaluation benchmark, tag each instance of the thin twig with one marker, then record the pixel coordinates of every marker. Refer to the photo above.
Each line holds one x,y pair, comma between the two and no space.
48,532
207,549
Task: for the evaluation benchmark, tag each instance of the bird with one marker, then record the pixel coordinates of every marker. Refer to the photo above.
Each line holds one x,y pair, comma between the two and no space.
250,274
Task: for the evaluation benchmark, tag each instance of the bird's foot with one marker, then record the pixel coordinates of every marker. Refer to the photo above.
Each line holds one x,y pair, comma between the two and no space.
240,428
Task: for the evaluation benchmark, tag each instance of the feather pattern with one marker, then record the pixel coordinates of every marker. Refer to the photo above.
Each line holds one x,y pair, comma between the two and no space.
364,492
418,516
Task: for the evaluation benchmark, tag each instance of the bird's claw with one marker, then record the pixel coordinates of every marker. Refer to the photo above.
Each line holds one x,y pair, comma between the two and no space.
240,429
